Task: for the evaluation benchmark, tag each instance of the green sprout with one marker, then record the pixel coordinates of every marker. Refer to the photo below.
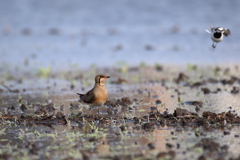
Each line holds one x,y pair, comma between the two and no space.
44,72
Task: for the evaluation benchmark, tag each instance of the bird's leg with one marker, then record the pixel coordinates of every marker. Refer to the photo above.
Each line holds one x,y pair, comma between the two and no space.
214,46
98,111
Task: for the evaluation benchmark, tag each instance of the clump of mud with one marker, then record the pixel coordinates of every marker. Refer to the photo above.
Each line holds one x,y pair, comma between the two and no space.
45,114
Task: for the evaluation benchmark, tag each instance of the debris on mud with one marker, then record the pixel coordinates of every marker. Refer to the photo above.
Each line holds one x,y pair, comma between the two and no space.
119,81
8,88
125,101
212,149
206,90
181,78
194,103
180,117
166,155
235,90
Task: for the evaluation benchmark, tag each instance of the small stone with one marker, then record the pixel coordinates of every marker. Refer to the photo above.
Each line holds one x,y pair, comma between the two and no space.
153,108
235,90
169,145
158,101
206,90
226,133
151,146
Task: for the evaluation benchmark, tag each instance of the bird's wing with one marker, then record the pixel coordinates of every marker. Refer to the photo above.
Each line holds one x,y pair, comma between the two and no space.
207,31
212,28
226,32
89,97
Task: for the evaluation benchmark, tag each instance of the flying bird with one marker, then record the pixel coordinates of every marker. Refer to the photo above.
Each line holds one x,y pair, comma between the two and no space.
217,34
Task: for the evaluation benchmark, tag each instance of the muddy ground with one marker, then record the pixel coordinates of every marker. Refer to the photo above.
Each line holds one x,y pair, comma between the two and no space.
153,112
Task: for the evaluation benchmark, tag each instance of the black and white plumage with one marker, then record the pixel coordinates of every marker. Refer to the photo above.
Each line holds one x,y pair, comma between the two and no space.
217,34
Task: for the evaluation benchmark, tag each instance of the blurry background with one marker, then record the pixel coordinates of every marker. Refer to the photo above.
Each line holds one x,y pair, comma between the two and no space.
61,34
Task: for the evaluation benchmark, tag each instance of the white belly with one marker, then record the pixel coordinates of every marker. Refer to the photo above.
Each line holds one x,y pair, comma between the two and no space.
217,39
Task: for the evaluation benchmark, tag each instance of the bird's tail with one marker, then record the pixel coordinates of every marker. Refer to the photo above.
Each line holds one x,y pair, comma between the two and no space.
81,95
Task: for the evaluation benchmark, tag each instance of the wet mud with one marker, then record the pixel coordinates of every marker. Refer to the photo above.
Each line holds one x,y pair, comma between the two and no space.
156,112
180,117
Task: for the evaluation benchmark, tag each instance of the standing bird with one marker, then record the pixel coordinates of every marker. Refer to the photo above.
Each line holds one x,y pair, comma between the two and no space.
217,34
98,95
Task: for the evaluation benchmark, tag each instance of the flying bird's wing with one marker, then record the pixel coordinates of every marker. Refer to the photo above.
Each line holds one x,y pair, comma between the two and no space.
207,31
212,28
226,32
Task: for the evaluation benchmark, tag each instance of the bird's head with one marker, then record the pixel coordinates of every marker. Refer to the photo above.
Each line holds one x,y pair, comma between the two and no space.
219,30
100,79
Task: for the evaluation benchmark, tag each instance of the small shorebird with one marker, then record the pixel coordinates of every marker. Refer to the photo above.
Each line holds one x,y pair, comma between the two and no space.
217,34
98,95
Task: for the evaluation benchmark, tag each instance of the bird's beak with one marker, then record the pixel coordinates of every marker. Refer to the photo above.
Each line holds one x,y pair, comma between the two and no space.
107,77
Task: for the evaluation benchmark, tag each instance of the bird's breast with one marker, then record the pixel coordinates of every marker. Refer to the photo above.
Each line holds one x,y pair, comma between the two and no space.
101,96
217,37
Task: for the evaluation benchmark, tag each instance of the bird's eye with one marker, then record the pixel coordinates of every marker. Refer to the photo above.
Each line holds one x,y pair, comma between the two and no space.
101,76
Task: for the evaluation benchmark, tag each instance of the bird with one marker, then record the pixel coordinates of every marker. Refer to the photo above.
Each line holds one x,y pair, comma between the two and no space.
217,34
98,95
